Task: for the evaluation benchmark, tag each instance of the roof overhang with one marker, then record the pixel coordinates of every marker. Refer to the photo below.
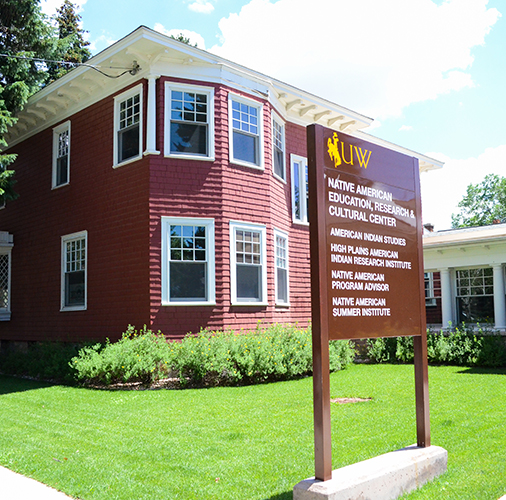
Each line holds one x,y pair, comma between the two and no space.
146,52
466,236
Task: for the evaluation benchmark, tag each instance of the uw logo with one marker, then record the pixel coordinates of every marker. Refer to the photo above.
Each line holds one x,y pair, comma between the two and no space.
362,156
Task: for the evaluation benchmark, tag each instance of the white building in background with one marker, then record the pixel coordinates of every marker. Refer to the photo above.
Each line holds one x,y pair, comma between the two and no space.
464,276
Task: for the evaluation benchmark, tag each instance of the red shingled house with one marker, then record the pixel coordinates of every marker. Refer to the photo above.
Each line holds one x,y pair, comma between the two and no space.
173,196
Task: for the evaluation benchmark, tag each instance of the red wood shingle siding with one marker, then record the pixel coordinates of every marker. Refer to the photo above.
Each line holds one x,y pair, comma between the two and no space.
111,204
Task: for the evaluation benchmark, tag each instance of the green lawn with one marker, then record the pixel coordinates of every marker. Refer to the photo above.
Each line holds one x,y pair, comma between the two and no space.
250,443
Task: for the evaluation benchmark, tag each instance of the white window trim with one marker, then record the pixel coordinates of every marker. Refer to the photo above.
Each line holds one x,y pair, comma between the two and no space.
64,239
211,266
259,106
284,235
430,299
247,226
299,162
56,134
169,86
5,312
138,89
280,122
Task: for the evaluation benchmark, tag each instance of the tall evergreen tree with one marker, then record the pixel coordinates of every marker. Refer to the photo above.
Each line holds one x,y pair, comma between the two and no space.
24,32
71,45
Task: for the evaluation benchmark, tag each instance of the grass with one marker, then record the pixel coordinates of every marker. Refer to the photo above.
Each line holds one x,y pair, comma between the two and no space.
251,442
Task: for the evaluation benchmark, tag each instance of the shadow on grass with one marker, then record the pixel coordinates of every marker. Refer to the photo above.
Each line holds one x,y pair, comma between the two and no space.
11,384
287,495
483,371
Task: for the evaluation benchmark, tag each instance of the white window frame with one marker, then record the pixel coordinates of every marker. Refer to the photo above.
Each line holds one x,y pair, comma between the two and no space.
138,89
283,235
196,89
260,136
246,226
57,131
281,124
210,260
299,163
430,299
5,312
64,240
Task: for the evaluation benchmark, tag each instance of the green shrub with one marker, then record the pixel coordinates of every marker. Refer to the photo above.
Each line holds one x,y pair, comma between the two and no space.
137,357
382,350
461,346
208,358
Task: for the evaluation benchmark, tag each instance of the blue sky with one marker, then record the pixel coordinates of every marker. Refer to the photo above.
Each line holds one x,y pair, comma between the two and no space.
432,73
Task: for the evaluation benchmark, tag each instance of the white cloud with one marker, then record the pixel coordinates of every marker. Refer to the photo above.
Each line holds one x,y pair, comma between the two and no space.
194,37
406,128
49,7
100,42
201,6
374,56
443,189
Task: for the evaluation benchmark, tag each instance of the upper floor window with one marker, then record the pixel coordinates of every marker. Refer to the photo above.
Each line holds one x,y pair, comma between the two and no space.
246,133
188,275
73,283
190,121
278,148
128,126
248,273
61,155
299,189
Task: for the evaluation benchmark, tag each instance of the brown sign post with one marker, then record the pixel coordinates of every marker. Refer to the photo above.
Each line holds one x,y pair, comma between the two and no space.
366,262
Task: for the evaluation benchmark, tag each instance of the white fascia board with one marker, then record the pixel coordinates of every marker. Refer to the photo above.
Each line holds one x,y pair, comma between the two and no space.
480,235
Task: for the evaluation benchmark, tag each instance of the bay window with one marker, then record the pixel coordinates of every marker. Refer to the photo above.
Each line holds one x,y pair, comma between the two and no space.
189,116
188,270
248,264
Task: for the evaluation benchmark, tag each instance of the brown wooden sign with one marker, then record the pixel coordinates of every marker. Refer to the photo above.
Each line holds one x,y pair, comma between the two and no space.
366,261
368,202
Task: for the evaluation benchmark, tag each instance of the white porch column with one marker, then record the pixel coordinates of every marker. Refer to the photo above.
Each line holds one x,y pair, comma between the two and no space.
446,297
499,297
151,117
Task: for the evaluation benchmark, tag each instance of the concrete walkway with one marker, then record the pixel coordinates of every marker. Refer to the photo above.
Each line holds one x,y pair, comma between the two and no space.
14,486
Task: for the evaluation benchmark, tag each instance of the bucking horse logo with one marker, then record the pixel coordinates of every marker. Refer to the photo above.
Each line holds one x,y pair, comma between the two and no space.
334,150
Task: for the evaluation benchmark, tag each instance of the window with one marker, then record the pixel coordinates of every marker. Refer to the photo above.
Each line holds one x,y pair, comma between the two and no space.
475,295
247,264
61,155
281,267
246,147
278,149
128,126
6,244
188,275
299,189
430,299
74,257
190,121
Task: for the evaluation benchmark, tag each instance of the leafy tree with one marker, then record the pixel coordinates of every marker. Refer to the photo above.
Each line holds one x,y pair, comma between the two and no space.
71,47
24,32
181,38
483,204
